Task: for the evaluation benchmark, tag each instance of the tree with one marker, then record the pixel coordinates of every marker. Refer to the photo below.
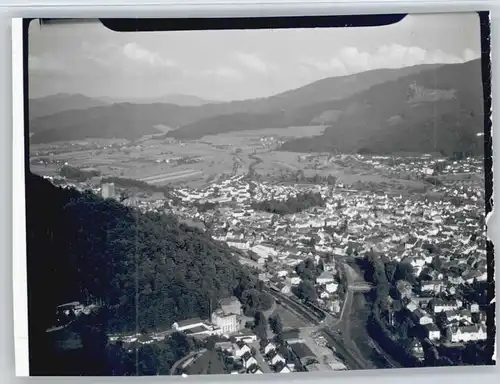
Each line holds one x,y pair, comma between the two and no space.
321,267
260,325
275,324
307,291
404,271
260,285
210,344
390,271
279,339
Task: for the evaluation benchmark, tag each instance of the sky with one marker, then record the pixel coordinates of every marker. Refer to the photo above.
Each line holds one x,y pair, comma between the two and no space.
89,59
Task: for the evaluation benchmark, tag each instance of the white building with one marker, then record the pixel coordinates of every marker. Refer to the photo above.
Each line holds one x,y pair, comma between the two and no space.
439,305
331,288
324,295
432,286
282,273
433,332
241,349
196,326
277,358
245,335
249,360
227,322
293,280
285,369
239,244
423,317
183,325
108,190
467,333
264,251
474,308
269,348
325,278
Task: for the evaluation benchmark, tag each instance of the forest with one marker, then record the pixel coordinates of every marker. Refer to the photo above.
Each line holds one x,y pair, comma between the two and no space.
291,205
145,271
77,174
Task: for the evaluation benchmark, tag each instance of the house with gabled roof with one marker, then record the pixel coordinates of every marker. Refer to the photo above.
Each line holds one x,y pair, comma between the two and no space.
274,357
269,347
248,360
467,333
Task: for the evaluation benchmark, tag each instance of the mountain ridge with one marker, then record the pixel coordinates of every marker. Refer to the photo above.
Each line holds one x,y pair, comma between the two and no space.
434,111
60,102
141,118
182,100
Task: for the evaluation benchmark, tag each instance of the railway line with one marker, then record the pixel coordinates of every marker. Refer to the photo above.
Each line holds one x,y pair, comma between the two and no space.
310,314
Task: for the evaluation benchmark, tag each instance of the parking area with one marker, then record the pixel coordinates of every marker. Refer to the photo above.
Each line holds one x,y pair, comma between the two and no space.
317,344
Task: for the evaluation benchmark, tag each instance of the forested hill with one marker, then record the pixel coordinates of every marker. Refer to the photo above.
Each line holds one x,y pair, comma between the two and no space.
436,110
84,248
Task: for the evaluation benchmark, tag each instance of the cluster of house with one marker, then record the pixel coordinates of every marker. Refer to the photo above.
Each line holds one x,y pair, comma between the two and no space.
351,223
425,164
448,320
268,356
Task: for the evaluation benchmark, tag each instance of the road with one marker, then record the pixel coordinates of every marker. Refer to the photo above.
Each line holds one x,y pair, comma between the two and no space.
260,359
181,361
339,333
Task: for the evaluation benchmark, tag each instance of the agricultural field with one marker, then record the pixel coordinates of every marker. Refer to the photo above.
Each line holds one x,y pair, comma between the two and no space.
195,163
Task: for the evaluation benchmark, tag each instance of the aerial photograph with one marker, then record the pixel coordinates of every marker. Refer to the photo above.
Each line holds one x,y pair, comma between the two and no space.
256,201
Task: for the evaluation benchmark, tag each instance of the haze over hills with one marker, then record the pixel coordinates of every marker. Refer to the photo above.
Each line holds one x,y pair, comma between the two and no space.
428,108
177,99
48,105
137,120
437,110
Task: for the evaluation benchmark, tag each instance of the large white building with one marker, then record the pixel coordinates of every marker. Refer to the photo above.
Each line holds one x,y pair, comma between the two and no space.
108,190
228,317
228,323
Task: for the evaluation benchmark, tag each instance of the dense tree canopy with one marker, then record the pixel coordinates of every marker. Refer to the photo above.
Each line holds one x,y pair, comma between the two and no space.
275,324
77,174
145,270
260,325
291,205
306,291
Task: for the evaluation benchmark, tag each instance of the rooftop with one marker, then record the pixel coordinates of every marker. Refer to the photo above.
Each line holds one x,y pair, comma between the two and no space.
194,320
302,351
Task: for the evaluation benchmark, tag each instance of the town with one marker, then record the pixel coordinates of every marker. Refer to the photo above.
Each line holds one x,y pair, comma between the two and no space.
301,238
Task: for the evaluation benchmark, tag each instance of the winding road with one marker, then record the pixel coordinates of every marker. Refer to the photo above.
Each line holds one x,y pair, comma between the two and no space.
181,361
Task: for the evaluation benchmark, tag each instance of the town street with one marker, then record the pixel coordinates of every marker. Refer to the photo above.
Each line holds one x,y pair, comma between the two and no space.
260,359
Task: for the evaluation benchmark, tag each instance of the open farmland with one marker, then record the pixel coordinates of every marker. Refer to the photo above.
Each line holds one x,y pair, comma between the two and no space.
164,178
198,162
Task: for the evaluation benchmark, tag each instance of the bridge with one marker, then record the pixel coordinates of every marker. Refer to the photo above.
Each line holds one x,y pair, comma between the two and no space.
360,287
